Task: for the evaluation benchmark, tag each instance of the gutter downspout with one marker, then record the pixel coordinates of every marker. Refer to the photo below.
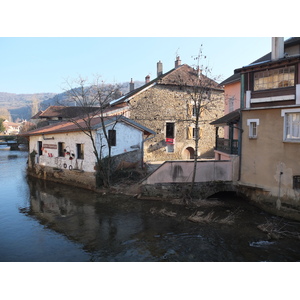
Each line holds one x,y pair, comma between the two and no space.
241,125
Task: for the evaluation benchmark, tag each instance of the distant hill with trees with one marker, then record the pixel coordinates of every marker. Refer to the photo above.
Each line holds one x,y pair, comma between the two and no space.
20,107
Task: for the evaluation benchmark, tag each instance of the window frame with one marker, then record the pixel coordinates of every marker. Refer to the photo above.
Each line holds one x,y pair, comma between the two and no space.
253,123
170,148
266,79
60,149
80,151
112,137
285,114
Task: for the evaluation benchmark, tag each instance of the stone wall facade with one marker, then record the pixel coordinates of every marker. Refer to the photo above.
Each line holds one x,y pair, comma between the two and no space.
162,104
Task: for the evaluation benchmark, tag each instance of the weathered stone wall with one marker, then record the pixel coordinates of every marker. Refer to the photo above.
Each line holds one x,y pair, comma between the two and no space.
160,104
171,191
71,177
287,207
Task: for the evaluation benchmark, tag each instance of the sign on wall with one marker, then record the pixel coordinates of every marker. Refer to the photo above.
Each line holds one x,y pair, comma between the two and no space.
50,146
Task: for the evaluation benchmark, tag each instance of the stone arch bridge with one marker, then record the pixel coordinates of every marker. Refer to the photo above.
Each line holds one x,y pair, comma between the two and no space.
10,140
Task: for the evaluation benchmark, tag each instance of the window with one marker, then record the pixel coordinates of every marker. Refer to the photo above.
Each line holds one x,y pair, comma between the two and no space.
296,182
112,137
40,146
194,111
275,78
292,126
61,147
191,133
170,130
253,130
80,151
291,121
170,134
231,104
253,123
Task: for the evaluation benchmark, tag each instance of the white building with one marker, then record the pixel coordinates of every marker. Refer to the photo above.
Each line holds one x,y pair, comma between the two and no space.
66,146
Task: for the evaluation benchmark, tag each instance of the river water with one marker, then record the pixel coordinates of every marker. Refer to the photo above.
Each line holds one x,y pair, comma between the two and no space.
48,222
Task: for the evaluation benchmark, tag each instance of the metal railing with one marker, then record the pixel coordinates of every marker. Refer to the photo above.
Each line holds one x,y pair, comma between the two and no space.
227,146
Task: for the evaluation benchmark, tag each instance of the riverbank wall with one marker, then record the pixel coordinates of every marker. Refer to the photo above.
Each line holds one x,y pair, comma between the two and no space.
284,205
173,179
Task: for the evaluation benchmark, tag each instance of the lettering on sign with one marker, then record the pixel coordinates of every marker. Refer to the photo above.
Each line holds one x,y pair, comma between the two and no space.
50,146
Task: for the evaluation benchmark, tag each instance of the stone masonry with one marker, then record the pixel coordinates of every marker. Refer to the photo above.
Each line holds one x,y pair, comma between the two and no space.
162,104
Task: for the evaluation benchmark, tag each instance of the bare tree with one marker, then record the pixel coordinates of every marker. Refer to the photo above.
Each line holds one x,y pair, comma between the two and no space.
204,97
93,99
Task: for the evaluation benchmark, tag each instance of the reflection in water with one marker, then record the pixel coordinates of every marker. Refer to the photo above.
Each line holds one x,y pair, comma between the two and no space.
120,228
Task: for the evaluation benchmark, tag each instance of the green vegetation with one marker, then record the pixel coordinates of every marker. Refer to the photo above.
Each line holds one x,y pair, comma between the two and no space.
2,128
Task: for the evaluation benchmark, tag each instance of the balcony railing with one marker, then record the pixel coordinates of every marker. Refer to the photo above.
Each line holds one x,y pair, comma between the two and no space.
227,146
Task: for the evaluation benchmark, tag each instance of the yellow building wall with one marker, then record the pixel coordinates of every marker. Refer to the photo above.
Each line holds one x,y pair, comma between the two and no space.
267,161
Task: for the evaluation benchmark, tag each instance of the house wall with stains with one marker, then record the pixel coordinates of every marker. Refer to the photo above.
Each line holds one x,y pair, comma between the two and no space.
269,163
162,104
128,139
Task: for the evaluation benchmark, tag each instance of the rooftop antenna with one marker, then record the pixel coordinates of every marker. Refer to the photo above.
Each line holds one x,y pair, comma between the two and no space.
176,53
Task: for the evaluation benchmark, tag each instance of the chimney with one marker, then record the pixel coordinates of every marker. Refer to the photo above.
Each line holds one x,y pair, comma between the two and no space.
131,86
277,48
147,79
177,62
159,68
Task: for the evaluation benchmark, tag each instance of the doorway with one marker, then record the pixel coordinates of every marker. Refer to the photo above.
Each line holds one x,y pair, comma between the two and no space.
189,153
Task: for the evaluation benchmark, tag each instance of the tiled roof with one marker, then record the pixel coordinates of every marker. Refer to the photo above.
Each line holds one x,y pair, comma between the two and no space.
184,75
65,111
82,124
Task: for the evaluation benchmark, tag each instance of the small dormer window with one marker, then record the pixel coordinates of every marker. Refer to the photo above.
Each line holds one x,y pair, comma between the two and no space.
274,78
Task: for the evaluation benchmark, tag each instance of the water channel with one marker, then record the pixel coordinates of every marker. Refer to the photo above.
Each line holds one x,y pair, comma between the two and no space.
49,222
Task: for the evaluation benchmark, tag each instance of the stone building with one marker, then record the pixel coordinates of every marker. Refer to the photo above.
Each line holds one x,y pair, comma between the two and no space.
165,106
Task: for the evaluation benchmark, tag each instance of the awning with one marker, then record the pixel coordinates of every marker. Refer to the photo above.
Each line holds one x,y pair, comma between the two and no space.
231,118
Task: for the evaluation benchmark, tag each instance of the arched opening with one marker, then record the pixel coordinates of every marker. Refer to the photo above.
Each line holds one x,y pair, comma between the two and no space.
189,153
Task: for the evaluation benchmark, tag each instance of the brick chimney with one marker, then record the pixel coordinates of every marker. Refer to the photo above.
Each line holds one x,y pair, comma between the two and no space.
177,62
159,68
147,79
277,48
131,86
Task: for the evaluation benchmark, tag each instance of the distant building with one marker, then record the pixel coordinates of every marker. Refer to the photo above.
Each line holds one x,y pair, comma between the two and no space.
11,128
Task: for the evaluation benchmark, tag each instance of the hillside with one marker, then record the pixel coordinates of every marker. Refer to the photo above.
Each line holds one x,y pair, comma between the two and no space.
20,105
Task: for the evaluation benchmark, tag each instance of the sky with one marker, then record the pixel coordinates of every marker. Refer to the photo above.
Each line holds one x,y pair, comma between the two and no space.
44,44
44,64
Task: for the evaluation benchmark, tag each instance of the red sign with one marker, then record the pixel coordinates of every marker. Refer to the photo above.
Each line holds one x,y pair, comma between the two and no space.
170,141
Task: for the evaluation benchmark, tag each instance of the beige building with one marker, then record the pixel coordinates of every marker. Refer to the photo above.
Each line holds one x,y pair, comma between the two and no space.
165,106
270,165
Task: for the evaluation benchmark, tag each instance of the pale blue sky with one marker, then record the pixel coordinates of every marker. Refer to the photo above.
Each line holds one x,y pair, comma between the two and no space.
33,64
